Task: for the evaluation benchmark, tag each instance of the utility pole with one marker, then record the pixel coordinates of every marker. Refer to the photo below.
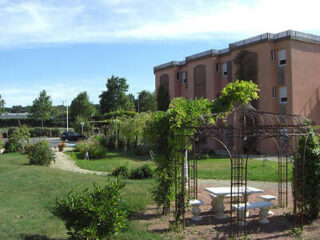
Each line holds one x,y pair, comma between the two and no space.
67,107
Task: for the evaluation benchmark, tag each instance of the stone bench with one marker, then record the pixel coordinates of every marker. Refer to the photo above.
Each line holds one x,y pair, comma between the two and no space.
264,209
214,200
268,198
195,204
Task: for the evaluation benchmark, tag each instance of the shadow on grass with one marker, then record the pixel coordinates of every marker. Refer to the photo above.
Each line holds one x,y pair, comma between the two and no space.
37,237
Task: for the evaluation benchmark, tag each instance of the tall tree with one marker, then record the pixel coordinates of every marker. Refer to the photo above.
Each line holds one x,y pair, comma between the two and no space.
146,101
163,99
115,97
41,107
2,103
81,106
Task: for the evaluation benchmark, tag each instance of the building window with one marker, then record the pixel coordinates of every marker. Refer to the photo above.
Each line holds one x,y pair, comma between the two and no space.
283,98
274,92
178,76
217,67
282,60
184,78
273,58
224,69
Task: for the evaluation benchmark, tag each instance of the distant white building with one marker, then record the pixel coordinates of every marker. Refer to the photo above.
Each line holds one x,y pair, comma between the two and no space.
14,115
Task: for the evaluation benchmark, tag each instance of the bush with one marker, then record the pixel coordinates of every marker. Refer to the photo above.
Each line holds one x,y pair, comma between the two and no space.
141,150
40,153
1,143
112,143
18,139
102,140
95,214
121,171
12,145
306,185
141,172
94,148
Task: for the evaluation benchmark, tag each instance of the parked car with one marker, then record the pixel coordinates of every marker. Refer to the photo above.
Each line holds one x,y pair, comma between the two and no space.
72,136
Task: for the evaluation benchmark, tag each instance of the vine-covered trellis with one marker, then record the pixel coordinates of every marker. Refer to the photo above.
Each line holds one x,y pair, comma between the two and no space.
244,125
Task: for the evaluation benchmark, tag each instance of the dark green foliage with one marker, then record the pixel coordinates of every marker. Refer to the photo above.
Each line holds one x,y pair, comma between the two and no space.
41,107
87,127
163,99
81,106
306,178
169,130
142,150
93,214
18,139
115,97
2,103
121,171
146,102
119,113
40,153
141,172
32,122
12,145
103,140
92,146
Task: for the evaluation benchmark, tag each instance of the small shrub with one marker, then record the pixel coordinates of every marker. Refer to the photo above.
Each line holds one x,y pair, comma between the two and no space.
12,145
94,148
121,171
141,172
102,140
4,134
18,139
94,214
40,153
1,143
141,150
55,132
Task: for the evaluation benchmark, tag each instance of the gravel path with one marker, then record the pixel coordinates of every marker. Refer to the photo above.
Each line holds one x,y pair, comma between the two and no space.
64,162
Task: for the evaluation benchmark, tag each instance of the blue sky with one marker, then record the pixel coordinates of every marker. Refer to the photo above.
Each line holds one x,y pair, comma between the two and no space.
45,44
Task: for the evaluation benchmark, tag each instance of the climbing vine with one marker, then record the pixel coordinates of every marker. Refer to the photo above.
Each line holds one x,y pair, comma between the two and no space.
180,119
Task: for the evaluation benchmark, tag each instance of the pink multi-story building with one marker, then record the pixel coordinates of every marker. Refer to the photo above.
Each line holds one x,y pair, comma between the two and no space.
286,66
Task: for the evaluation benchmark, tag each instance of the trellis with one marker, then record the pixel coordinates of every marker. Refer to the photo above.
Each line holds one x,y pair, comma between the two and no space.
243,125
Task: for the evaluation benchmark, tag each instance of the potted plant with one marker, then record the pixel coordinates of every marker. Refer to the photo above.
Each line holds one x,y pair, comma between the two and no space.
61,146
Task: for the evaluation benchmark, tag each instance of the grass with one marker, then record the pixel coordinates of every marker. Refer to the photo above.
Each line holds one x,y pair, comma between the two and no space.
213,168
112,160
28,193
219,168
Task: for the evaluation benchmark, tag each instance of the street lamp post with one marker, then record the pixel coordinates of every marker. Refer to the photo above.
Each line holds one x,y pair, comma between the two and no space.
82,123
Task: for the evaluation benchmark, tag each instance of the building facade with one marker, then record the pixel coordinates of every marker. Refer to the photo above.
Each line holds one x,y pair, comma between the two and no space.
286,67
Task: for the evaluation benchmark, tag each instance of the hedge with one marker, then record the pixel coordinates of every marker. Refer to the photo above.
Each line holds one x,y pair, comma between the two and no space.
31,122
36,132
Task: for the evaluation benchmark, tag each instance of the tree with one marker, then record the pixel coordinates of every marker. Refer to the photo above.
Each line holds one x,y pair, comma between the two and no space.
2,103
163,99
41,107
306,176
81,106
146,101
115,97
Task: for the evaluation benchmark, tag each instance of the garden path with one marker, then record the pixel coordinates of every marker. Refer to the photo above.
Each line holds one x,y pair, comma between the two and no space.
64,162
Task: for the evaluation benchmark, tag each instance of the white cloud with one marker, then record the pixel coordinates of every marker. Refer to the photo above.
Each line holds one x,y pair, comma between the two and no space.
44,22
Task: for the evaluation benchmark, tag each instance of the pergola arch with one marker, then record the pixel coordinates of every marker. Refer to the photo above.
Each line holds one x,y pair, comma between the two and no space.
282,130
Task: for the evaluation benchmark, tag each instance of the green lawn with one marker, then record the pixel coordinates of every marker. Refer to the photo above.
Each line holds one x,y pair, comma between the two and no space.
219,168
213,168
27,195
111,161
